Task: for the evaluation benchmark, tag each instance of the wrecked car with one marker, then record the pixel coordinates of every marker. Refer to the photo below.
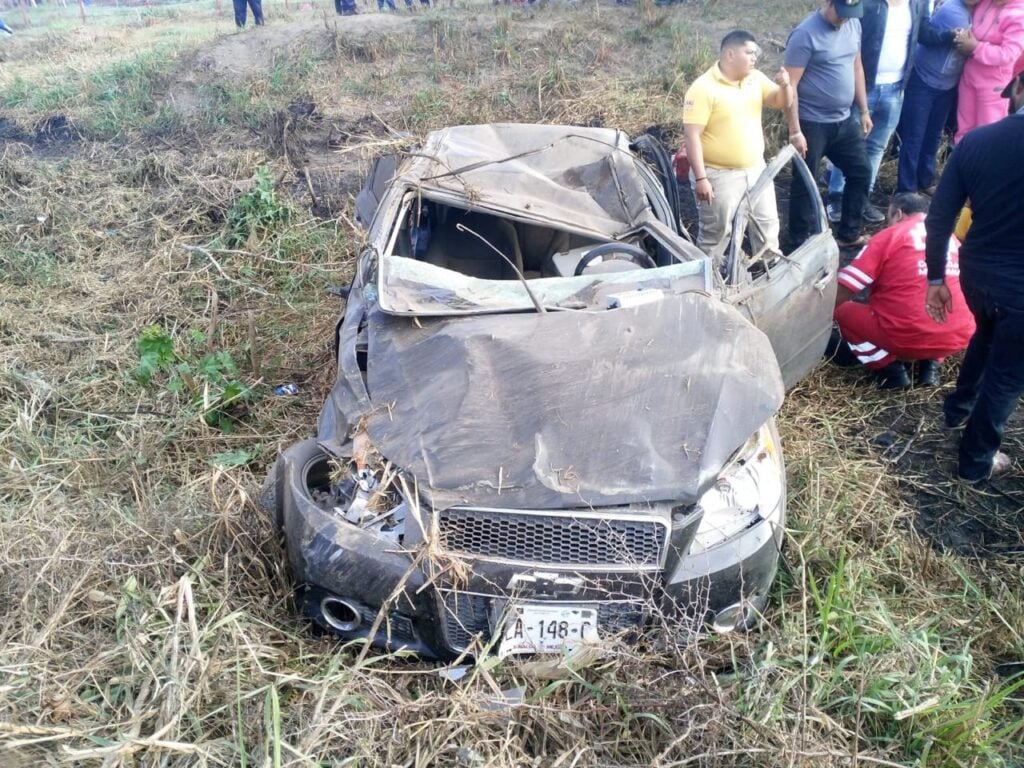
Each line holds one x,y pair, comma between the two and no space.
552,420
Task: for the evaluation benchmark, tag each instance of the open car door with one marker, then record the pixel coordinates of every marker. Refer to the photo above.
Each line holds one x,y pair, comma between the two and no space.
790,298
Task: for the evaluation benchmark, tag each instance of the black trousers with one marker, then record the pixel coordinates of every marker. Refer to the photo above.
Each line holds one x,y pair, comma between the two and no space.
345,7
257,11
843,144
991,378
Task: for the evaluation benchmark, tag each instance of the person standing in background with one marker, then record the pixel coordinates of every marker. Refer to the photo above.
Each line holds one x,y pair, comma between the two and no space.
824,64
240,12
888,41
930,95
992,46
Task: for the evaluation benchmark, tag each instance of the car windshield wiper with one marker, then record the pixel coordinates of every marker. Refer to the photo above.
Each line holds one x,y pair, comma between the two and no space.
522,278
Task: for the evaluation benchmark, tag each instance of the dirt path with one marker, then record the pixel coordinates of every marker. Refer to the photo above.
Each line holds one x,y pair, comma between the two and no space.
253,52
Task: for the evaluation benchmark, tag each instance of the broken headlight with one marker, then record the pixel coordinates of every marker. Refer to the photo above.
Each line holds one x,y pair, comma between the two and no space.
748,489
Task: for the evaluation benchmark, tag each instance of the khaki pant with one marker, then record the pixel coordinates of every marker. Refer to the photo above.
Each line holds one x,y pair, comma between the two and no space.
715,218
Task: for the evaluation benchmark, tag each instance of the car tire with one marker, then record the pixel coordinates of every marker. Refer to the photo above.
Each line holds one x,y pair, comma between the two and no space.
299,459
271,496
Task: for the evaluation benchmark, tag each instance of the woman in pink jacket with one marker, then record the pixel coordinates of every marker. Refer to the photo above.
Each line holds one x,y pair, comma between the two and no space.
992,45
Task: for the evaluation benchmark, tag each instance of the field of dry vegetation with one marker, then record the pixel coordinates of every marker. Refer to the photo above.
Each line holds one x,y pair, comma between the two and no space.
175,201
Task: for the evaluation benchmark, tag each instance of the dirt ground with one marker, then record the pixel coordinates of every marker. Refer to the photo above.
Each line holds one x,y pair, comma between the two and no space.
906,431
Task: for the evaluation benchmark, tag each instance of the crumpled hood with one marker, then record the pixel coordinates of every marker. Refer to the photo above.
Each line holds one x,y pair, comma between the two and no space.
571,408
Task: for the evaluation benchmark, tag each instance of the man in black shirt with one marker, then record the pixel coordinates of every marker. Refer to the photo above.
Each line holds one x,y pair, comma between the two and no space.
987,168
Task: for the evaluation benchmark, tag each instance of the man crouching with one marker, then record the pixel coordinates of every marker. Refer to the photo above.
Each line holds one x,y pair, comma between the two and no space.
894,326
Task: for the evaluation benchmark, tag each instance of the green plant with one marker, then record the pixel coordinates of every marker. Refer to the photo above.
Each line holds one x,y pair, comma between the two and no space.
28,266
17,92
256,212
124,93
210,380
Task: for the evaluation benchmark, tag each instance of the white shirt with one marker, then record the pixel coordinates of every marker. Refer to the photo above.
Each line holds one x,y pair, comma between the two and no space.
895,45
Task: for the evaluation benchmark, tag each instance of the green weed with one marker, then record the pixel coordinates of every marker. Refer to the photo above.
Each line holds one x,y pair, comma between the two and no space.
210,381
24,266
53,95
257,212
121,95
427,109
504,46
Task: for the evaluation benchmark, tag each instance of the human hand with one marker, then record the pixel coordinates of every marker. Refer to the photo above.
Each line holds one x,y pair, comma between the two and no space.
782,77
938,302
702,189
865,122
966,42
799,142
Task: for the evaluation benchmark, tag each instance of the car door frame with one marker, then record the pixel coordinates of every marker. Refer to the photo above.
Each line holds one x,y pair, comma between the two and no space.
792,300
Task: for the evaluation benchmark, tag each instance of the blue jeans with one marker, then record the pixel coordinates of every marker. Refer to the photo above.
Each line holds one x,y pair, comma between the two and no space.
240,7
884,105
991,377
925,112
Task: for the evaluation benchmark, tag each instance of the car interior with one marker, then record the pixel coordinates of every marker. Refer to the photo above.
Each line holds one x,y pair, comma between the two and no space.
488,246
491,247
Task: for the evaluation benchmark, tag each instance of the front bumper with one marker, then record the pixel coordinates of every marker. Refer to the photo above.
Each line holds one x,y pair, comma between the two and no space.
405,601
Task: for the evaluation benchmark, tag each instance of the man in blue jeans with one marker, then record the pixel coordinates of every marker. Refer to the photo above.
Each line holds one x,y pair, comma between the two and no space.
257,12
823,60
992,278
888,40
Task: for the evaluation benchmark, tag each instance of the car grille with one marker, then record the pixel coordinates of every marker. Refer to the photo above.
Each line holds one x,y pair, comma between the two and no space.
544,538
468,616
394,626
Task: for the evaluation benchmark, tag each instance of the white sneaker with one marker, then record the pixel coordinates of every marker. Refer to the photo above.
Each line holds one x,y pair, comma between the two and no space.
1001,464
835,212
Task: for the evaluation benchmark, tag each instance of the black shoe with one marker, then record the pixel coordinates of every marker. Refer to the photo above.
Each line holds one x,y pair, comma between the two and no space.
872,215
928,373
838,351
893,376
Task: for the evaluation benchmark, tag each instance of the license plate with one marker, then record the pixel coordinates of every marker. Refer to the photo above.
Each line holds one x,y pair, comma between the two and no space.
539,628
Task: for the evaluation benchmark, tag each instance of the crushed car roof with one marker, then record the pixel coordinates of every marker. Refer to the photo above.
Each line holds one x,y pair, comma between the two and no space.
586,178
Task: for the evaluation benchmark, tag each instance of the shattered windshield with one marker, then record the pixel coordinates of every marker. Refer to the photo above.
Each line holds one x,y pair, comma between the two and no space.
414,287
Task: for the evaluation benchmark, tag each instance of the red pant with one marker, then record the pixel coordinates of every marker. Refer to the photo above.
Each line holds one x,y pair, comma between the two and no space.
871,344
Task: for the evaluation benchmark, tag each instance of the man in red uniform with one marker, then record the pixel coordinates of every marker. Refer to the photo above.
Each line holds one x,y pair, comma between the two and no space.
893,326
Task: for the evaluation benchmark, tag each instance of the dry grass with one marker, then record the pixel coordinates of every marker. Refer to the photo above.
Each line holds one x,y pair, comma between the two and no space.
148,615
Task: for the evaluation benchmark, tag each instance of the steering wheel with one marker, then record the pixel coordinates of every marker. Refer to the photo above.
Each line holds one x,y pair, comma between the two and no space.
615,252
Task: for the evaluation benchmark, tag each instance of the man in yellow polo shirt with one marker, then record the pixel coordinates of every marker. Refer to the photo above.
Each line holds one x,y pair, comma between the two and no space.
725,144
